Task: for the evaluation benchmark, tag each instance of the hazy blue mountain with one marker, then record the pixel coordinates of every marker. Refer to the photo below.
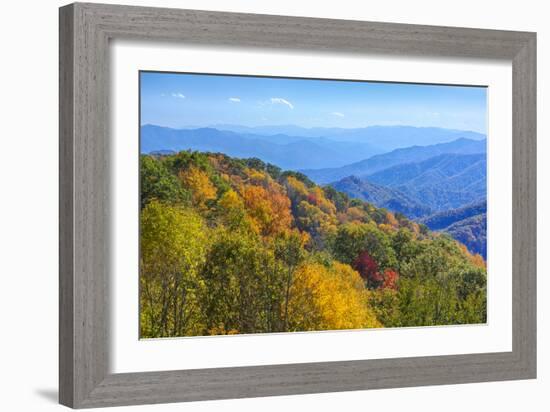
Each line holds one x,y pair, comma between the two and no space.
429,171
417,189
393,137
384,137
396,157
287,152
345,149
444,219
291,130
442,182
472,232
467,224
381,196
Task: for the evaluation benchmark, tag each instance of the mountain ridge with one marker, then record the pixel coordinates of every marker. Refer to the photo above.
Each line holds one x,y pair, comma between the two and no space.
395,157
402,134
441,220
381,196
446,181
288,152
443,182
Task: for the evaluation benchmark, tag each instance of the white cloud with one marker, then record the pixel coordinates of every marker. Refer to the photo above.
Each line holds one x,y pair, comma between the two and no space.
178,95
234,99
338,114
280,100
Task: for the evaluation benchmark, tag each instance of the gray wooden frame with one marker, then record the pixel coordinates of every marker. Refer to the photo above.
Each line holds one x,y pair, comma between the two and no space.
85,31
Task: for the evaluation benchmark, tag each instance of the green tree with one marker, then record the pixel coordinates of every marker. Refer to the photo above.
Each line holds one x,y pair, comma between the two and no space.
245,285
354,238
440,286
231,210
156,182
173,245
290,252
320,225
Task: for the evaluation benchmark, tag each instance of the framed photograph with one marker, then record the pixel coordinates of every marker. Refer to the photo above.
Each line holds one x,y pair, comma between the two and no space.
256,205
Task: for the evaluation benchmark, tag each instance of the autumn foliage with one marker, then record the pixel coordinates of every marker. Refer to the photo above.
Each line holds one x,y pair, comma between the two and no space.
200,187
239,246
390,279
368,269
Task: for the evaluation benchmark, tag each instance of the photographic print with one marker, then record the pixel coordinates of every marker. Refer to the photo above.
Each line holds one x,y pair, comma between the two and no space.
273,205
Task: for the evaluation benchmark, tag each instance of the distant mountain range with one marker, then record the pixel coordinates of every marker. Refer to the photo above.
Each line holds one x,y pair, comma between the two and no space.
293,147
383,161
287,152
467,225
385,138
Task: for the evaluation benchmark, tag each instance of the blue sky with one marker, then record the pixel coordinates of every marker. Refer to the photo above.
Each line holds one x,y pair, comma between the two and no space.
182,100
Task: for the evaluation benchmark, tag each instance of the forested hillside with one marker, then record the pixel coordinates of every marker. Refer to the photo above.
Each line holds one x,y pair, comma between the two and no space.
442,182
472,232
407,155
467,224
382,196
239,246
442,220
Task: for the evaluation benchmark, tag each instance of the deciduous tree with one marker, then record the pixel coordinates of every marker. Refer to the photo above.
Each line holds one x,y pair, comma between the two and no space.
328,298
173,245
200,186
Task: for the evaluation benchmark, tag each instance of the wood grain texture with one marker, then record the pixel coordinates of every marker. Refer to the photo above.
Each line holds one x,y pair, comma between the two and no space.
66,228
85,31
524,208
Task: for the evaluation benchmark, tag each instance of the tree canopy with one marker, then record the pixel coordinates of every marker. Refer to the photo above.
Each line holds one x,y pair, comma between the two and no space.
238,246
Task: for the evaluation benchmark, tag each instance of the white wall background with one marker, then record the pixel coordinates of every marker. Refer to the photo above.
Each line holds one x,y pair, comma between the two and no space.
29,191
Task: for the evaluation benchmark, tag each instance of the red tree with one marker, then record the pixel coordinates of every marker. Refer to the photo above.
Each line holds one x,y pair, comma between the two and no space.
368,269
390,279
311,198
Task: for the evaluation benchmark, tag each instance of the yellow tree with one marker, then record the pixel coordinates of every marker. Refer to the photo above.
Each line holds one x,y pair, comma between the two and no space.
355,214
199,184
270,211
297,190
320,225
231,209
173,246
475,259
329,298
257,177
391,220
317,197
